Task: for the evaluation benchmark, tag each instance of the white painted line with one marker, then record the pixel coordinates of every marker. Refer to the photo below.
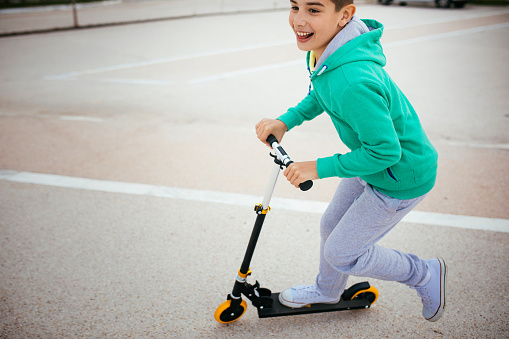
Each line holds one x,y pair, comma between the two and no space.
74,74
387,45
246,71
70,75
63,117
79,118
416,217
476,145
150,82
458,221
460,17
445,35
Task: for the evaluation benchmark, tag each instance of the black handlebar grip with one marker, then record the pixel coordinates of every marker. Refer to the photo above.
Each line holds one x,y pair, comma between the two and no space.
271,138
303,186
306,185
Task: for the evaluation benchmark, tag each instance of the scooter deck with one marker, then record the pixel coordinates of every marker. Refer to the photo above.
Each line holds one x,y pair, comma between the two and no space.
279,310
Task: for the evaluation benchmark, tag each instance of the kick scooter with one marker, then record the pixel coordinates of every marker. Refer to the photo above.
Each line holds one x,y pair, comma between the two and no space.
358,296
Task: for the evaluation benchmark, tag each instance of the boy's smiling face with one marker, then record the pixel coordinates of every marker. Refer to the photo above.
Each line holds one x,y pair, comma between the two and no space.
316,22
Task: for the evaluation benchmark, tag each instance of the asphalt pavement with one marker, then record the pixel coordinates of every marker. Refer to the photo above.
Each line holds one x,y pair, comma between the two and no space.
129,169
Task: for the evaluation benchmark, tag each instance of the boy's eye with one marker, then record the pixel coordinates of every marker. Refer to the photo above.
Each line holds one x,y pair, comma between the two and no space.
295,8
312,10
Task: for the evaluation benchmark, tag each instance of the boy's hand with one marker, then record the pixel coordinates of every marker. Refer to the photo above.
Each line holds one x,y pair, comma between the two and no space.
299,172
267,127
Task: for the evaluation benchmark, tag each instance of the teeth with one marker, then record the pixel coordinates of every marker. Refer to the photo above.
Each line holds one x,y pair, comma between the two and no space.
303,33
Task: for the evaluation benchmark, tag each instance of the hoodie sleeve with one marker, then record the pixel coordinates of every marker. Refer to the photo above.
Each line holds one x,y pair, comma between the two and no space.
365,109
307,109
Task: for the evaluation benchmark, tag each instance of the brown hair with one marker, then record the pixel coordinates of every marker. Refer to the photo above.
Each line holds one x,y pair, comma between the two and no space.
341,3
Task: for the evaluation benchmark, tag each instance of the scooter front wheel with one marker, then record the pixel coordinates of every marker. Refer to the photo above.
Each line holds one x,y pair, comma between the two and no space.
226,314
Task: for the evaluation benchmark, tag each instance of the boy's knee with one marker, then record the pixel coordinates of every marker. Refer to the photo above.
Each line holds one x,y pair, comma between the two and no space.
349,263
336,257
327,225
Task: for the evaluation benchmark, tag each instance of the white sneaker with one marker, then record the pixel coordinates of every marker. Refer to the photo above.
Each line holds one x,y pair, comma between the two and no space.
433,293
303,295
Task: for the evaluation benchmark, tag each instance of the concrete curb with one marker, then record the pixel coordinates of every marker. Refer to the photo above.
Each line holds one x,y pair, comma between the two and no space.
37,20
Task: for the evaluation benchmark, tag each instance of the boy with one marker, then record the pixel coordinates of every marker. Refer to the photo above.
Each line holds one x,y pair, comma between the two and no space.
390,169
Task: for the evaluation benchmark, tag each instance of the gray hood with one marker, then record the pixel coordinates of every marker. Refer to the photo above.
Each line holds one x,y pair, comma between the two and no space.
353,29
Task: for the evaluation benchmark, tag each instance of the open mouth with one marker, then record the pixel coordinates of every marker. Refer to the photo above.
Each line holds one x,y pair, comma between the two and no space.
304,36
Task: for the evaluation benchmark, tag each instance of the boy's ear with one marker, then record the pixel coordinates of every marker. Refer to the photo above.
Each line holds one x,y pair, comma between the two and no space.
346,13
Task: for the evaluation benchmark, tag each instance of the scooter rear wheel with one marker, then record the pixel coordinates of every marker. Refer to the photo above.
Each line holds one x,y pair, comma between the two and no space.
225,314
371,294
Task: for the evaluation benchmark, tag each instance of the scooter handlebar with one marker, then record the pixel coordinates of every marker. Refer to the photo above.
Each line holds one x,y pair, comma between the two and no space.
306,185
271,139
285,159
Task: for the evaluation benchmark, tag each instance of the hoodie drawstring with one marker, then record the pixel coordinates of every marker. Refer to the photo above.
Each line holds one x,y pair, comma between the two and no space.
311,69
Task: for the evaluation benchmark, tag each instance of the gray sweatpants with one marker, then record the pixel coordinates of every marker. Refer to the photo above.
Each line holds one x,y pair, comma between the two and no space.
355,220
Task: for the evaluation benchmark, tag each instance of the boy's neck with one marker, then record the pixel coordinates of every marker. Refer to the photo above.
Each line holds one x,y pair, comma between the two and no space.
320,51
317,56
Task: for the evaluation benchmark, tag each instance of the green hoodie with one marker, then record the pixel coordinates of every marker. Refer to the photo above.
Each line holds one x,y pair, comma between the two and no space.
374,119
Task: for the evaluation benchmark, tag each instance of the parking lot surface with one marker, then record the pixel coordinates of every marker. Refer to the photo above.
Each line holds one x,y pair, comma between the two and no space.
129,168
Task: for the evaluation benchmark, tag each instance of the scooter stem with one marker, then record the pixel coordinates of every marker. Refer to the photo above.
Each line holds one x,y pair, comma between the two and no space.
261,210
261,213
270,186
